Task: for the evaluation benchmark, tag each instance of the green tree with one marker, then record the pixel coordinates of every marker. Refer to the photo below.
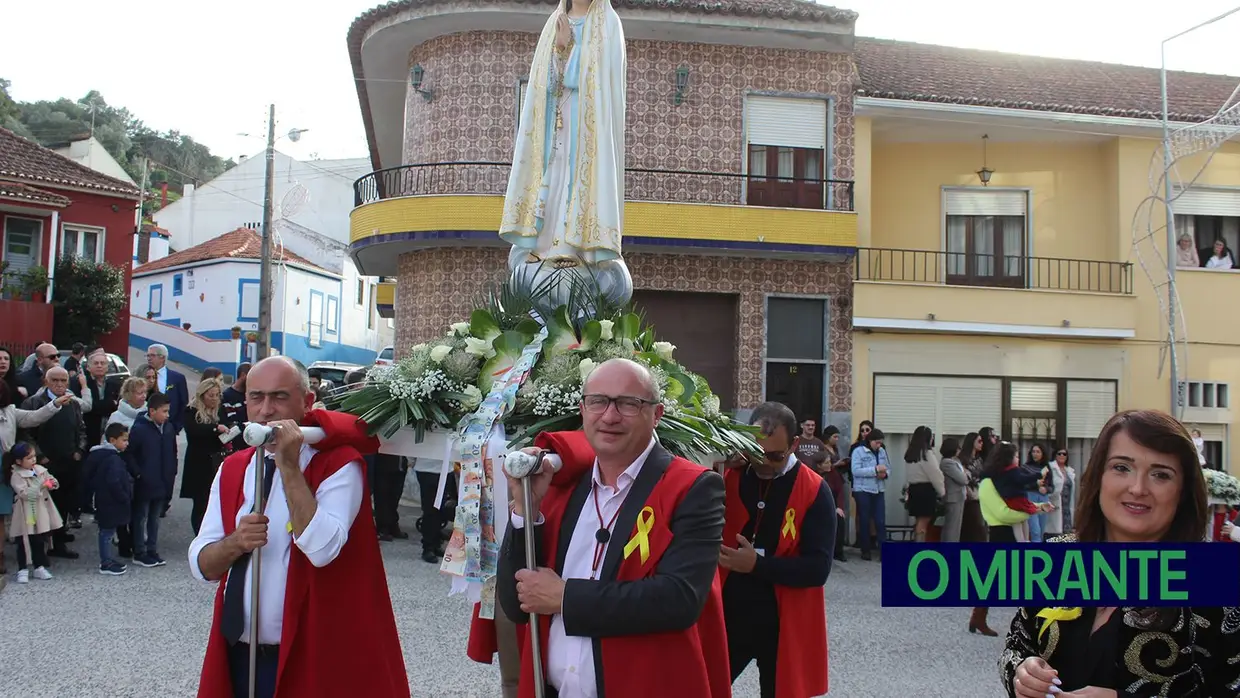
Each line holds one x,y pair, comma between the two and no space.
10,112
87,300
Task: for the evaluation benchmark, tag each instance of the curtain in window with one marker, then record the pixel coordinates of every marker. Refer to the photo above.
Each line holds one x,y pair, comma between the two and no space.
69,246
984,245
757,160
787,166
90,246
1013,244
957,246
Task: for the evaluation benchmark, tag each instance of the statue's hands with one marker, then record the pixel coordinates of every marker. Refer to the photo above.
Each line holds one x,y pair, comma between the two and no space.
563,33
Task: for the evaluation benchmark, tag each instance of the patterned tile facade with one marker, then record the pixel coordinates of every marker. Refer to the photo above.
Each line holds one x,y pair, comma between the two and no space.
438,287
473,116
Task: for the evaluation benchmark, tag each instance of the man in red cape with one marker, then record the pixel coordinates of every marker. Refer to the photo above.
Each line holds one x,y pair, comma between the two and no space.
630,595
325,622
776,555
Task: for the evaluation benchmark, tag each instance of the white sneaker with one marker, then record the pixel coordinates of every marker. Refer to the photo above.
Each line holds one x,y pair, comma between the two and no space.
23,576
42,573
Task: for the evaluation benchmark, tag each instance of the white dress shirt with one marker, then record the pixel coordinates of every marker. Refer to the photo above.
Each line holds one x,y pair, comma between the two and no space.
339,498
161,379
570,659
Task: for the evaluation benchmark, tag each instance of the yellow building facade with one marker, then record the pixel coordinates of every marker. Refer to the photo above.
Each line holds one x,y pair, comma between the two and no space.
1035,302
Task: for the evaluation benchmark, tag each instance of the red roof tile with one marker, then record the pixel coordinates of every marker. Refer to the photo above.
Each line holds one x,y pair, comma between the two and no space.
28,161
945,74
242,243
25,192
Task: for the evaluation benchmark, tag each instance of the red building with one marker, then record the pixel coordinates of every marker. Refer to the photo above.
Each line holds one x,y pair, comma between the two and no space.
52,206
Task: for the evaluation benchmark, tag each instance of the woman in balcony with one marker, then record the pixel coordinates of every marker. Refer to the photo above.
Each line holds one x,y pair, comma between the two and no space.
1186,253
1223,257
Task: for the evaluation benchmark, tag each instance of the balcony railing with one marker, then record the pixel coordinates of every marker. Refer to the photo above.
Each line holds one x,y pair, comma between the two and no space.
993,271
448,178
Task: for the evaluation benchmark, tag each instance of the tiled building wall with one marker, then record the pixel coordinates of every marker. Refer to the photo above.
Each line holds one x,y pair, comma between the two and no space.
440,286
473,116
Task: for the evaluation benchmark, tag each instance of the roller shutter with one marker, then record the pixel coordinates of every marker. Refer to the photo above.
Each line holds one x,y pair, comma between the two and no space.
1090,405
785,121
983,202
951,406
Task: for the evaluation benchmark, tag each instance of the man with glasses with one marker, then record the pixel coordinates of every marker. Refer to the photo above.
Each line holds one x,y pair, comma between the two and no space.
628,539
171,383
777,543
31,379
62,446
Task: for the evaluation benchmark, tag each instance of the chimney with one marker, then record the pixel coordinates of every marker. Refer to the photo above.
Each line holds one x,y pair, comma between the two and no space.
159,247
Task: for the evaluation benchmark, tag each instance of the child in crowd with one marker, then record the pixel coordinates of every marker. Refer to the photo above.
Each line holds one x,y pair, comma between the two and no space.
107,479
34,514
1013,482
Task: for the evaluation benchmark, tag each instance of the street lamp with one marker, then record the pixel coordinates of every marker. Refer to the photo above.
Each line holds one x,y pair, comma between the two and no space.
1177,400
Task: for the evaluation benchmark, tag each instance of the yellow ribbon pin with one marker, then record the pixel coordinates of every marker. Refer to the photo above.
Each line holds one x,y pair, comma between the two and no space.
1051,615
641,539
790,526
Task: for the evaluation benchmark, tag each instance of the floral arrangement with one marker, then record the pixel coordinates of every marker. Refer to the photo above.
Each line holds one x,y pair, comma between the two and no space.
440,382
1222,488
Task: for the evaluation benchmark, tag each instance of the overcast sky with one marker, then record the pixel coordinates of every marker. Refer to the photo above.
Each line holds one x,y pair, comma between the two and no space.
211,69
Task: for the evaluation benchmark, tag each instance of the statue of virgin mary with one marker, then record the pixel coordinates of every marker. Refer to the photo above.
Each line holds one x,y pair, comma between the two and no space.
564,207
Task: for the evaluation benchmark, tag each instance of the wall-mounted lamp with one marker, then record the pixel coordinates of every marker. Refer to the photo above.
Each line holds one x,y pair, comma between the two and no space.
682,85
985,173
416,75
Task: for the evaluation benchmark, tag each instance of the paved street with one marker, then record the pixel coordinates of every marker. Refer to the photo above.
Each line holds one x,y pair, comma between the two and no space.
143,634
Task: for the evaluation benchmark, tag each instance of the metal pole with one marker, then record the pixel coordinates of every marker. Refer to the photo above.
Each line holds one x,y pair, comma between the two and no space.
527,501
256,567
1177,409
264,286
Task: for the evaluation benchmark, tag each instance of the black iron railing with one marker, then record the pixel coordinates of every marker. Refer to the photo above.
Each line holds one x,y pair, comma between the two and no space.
446,178
994,271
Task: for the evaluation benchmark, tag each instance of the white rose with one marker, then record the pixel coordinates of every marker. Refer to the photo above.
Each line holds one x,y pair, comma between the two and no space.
479,347
440,353
607,325
474,395
664,350
418,347
461,329
586,366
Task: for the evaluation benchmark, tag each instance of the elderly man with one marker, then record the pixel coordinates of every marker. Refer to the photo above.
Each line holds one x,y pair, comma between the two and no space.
320,553
171,383
102,393
30,380
628,543
62,443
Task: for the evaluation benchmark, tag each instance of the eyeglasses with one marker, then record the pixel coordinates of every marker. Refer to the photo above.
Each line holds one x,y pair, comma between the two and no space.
1062,453
50,356
626,405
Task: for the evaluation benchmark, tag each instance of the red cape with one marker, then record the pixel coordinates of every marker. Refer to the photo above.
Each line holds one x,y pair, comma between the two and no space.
801,658
345,603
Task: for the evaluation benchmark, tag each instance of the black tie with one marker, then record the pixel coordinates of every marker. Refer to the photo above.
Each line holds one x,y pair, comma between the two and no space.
233,622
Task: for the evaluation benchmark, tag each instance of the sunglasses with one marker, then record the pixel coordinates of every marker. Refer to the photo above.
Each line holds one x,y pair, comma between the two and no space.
1062,453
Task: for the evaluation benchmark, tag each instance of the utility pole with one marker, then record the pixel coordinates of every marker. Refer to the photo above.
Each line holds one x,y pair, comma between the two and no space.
264,286
137,238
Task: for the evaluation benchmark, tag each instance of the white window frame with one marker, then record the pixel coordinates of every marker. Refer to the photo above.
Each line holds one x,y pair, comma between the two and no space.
359,296
80,230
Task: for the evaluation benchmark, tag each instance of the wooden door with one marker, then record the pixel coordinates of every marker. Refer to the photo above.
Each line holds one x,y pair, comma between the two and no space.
703,328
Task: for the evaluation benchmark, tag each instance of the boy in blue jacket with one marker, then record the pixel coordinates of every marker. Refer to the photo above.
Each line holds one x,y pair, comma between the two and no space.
152,456
107,479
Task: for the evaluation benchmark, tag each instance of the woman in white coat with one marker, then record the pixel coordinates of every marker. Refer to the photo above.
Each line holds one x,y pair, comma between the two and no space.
1058,473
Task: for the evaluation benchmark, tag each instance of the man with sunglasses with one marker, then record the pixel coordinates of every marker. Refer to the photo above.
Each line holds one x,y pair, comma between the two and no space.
778,539
628,541
46,356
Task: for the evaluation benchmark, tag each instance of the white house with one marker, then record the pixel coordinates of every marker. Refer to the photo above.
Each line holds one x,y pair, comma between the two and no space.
235,199
91,153
211,287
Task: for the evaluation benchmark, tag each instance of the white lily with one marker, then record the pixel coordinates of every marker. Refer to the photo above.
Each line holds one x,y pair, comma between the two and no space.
664,350
418,347
440,353
607,325
475,397
586,366
461,329
479,347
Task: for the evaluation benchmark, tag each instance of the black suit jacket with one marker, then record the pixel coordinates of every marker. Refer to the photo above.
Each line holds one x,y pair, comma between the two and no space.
31,380
670,600
178,399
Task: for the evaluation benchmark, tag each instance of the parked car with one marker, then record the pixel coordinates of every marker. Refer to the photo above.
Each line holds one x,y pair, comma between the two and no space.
386,357
116,365
333,372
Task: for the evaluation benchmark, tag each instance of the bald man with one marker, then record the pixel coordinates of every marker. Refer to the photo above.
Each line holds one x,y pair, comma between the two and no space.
62,445
336,633
31,379
627,539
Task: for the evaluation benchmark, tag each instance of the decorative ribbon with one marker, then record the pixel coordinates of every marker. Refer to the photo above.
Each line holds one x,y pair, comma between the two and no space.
1051,615
790,526
474,553
641,539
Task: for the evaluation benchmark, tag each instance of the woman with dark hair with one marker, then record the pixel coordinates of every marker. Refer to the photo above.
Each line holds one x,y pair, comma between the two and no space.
925,481
1005,504
870,468
831,471
1039,493
973,527
989,440
1143,484
863,431
956,482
